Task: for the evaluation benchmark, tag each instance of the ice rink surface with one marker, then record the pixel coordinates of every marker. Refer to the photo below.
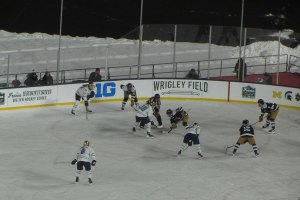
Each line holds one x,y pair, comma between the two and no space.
37,146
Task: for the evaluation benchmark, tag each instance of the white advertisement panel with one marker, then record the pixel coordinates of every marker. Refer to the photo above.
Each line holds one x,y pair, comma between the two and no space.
31,96
198,89
277,94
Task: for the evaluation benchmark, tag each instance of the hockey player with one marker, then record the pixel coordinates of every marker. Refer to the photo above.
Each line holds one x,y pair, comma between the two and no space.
129,90
178,115
156,107
85,92
85,157
143,115
246,135
190,138
272,110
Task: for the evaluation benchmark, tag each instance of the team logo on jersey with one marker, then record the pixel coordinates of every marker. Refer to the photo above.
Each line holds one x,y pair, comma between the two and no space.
288,95
2,98
277,94
248,92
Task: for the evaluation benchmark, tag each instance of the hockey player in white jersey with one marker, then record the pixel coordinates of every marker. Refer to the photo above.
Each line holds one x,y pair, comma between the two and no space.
190,138
85,92
143,115
85,157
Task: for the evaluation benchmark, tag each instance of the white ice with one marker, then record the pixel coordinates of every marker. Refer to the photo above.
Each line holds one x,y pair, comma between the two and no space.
37,146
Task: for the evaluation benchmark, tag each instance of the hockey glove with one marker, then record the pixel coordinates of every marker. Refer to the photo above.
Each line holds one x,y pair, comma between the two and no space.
86,103
94,162
73,162
261,117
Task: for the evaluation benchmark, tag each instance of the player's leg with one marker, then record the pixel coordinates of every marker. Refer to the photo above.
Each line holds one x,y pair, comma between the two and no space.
240,141
79,170
272,119
196,142
87,167
185,120
77,101
136,123
158,117
186,143
251,141
126,96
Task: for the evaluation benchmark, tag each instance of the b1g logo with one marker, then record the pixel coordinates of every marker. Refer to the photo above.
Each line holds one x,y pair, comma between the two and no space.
105,89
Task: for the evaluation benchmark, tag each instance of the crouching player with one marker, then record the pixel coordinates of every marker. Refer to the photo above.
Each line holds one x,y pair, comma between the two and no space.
191,138
143,115
85,92
178,115
129,91
246,135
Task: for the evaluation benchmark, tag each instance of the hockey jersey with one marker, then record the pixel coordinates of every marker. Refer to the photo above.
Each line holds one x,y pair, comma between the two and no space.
84,91
144,111
85,154
247,131
130,90
177,116
193,130
268,107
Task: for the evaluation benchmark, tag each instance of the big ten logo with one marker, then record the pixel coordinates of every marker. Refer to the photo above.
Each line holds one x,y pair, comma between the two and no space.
277,94
105,89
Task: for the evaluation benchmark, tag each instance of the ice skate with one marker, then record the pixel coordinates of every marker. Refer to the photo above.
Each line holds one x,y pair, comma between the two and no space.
200,156
133,129
265,126
256,155
122,108
72,112
90,180
179,152
160,126
149,135
272,131
77,179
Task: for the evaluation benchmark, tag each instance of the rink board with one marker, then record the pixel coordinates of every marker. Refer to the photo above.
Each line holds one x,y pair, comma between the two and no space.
169,89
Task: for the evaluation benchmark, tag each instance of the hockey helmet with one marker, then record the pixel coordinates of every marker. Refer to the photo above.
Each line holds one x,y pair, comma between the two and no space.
169,112
129,86
260,102
121,86
91,85
179,109
245,122
86,143
157,96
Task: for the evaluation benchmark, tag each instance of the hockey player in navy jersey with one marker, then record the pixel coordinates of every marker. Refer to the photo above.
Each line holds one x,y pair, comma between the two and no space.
156,107
85,92
85,157
272,110
246,135
191,138
143,115
177,116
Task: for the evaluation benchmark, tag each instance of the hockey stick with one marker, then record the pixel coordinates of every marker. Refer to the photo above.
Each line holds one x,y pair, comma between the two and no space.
228,147
86,113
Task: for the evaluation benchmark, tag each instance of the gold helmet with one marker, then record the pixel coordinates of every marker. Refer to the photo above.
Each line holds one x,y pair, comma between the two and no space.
86,143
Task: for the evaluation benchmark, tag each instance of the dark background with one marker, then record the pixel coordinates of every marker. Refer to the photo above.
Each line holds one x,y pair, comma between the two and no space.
115,18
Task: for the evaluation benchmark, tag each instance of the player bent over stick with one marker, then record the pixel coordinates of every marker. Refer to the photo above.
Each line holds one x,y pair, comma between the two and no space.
129,90
190,138
246,135
143,115
85,92
85,157
176,117
272,110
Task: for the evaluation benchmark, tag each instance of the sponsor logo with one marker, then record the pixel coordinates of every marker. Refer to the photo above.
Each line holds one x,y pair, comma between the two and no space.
277,94
187,88
107,89
2,98
248,92
29,95
288,95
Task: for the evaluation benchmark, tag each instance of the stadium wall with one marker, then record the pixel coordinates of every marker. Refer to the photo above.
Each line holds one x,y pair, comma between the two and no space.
108,91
